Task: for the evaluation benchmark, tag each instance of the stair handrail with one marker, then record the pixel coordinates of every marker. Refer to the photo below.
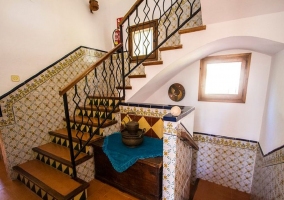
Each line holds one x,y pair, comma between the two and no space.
131,10
73,84
186,136
87,71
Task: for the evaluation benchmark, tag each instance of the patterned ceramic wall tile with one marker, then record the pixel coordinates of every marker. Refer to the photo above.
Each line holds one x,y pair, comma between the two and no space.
86,170
169,163
183,170
36,108
224,161
268,178
149,119
169,23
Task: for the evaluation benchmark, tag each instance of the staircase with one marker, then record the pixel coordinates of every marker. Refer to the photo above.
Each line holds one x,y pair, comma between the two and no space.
91,105
50,174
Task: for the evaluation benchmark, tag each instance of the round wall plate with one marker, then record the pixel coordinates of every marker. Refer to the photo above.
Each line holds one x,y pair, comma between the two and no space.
176,92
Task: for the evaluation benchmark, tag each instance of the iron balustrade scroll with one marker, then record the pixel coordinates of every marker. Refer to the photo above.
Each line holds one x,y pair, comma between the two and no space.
90,100
166,16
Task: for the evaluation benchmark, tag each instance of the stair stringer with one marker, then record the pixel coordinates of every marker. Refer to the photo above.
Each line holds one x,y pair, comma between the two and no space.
217,37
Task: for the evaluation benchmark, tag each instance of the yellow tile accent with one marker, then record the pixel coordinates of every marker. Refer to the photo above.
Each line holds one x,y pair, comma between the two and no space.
43,193
78,197
36,188
158,128
144,124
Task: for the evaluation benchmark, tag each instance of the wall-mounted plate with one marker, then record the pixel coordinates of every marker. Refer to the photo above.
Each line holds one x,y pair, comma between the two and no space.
176,92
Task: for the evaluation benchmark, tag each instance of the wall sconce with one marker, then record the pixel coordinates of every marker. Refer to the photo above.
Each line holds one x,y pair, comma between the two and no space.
94,5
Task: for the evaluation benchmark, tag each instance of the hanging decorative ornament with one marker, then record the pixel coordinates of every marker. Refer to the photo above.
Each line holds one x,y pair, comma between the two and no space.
176,92
94,5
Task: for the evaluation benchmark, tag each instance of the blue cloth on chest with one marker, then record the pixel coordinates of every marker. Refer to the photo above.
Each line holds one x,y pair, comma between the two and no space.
122,157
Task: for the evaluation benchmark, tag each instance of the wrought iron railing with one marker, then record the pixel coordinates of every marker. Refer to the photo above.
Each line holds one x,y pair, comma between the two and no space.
165,17
157,21
81,112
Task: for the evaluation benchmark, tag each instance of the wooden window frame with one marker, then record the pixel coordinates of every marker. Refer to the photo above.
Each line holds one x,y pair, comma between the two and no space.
145,25
245,59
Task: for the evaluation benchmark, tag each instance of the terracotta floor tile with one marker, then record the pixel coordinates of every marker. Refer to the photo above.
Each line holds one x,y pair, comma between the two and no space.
211,191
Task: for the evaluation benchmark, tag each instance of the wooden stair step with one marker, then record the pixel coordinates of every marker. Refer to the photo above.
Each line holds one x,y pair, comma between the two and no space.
171,47
60,153
194,29
100,108
63,133
137,76
57,184
158,62
91,121
126,87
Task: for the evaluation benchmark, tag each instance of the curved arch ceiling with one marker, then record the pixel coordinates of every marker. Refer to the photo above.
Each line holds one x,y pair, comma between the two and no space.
261,45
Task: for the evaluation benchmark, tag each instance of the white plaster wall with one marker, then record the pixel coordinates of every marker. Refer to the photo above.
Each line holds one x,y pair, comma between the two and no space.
228,119
224,10
272,130
36,33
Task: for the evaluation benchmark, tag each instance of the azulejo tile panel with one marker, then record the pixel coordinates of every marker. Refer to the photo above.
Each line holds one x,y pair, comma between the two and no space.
169,163
183,170
35,108
268,178
225,161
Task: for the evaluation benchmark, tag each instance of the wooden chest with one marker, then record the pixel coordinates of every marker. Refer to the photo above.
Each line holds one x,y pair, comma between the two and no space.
142,180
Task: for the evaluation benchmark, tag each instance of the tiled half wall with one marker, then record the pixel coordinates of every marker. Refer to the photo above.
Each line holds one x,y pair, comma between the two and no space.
35,107
268,178
149,117
224,161
176,154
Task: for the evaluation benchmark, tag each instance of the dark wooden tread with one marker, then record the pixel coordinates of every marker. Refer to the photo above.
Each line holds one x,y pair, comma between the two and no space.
126,87
91,121
100,108
63,133
158,62
194,29
60,153
171,47
56,183
137,76
108,97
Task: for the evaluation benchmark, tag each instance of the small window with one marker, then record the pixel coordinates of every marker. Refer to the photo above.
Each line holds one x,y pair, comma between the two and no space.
143,39
224,78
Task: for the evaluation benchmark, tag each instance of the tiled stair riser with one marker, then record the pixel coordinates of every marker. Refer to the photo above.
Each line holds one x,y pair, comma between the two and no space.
104,102
76,146
85,170
44,194
55,164
103,131
97,114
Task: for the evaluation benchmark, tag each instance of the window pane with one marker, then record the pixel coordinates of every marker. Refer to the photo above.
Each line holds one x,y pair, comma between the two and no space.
223,78
142,42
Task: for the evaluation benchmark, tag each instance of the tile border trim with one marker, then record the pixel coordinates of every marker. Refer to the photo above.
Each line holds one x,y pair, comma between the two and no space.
45,69
221,140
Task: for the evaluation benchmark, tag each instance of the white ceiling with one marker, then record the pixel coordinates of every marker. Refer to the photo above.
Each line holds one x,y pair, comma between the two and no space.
214,11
